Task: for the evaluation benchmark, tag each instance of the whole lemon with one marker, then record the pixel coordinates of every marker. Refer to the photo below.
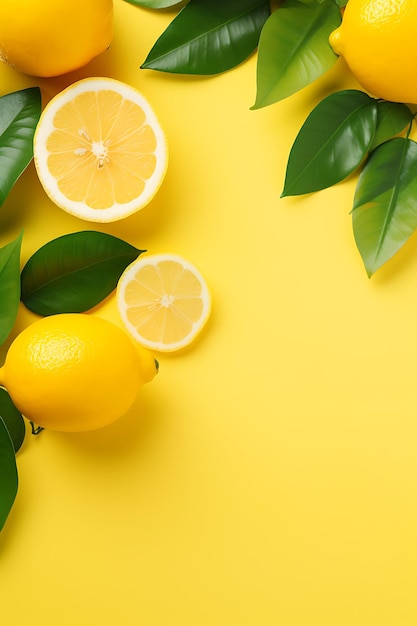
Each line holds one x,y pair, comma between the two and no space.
377,39
75,372
50,38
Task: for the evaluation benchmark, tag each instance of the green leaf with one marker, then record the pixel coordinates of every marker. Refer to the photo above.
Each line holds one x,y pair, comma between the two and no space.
75,272
12,419
209,37
9,285
385,204
19,115
294,49
393,118
154,4
8,474
340,3
332,142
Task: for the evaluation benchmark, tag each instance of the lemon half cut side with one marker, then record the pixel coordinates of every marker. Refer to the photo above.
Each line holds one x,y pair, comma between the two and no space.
164,301
99,150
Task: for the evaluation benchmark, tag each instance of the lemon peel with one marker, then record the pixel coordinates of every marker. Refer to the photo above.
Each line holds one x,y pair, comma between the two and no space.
377,40
75,372
49,38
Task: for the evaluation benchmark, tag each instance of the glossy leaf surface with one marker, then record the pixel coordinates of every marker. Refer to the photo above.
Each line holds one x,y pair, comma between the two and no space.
75,272
209,37
19,115
9,286
385,204
154,4
13,419
8,474
332,142
393,118
294,48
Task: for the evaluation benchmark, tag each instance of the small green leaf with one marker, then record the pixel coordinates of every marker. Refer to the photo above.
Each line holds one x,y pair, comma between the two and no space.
393,118
384,212
8,474
19,115
332,142
209,37
13,419
294,48
9,285
154,4
75,272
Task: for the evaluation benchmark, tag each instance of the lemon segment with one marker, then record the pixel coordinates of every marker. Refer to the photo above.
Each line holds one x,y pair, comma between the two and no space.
99,150
164,301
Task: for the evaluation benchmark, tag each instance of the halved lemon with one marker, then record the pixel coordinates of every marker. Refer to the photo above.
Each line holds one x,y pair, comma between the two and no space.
99,150
163,301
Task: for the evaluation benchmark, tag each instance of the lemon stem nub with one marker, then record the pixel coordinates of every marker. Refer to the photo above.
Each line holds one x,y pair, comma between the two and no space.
36,429
2,377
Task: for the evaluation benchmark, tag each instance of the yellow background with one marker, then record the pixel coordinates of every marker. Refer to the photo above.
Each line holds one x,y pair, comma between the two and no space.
267,477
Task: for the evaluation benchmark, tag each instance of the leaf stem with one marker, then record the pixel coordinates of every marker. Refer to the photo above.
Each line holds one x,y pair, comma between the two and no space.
36,429
410,126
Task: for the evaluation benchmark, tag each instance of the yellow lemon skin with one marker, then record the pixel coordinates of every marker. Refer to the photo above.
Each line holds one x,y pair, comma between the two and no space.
49,37
75,372
377,39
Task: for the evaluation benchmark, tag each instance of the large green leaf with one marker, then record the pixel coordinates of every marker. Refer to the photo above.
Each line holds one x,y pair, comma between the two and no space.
393,118
13,419
9,285
19,115
385,204
209,37
294,48
154,4
332,142
8,474
340,3
75,272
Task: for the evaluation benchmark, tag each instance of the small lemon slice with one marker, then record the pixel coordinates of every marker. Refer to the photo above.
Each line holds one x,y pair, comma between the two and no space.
99,150
163,301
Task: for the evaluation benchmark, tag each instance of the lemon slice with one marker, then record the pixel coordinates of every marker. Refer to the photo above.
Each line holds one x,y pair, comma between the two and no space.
163,301
99,150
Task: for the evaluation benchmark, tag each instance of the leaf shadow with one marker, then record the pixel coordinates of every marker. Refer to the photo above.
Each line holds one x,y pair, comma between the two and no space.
404,261
11,530
14,521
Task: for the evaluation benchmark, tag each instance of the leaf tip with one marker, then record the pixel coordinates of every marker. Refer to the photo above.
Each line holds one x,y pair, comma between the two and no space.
258,104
